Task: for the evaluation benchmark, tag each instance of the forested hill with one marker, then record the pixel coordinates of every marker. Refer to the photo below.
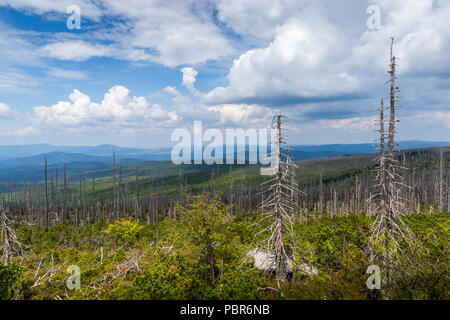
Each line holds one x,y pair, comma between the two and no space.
323,180
27,161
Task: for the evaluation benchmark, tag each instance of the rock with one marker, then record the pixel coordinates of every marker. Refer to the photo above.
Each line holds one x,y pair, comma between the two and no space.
307,270
266,262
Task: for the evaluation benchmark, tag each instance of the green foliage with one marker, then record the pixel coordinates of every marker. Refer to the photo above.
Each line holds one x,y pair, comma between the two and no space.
170,277
9,281
200,255
124,230
325,241
207,232
178,276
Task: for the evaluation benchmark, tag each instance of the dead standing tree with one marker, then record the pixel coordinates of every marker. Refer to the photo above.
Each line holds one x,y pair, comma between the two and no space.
389,233
10,245
278,206
441,182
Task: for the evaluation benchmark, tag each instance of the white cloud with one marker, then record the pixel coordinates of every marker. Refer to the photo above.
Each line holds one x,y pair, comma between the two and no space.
8,113
181,32
426,118
189,77
88,8
349,124
76,50
5,110
171,90
67,74
421,30
117,109
26,131
20,132
241,114
257,18
14,49
314,60
300,62
168,32
323,62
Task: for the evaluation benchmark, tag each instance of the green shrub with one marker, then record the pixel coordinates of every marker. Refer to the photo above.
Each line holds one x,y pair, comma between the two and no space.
9,281
124,230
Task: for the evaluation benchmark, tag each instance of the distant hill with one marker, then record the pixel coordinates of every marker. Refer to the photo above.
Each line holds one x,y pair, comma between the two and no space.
104,150
365,148
17,162
53,158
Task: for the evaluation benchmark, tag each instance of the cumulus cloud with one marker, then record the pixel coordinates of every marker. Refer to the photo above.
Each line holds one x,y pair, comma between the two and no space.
241,114
300,63
257,18
171,90
315,68
117,108
189,77
315,60
422,35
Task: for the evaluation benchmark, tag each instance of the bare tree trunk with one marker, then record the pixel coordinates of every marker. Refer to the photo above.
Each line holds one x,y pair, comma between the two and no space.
136,199
85,218
231,192
114,184
46,195
320,193
57,195
66,209
441,180
94,200
388,225
278,205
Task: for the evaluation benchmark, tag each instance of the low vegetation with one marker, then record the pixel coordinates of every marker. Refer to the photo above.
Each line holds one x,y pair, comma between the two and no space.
200,254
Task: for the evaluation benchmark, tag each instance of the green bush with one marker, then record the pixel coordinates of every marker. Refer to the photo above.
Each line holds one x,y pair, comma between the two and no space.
124,230
9,281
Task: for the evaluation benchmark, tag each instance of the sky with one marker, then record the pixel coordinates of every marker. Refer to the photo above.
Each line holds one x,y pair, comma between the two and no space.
135,71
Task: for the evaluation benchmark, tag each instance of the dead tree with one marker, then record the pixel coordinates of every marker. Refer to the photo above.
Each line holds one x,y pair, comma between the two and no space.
94,202
120,202
114,184
10,245
180,187
66,209
441,180
277,206
136,199
46,195
57,193
231,191
389,232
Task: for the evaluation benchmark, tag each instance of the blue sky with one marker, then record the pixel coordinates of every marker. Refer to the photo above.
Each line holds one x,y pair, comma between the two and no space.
137,70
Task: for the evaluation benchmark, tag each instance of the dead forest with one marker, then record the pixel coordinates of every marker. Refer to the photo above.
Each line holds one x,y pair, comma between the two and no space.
309,224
